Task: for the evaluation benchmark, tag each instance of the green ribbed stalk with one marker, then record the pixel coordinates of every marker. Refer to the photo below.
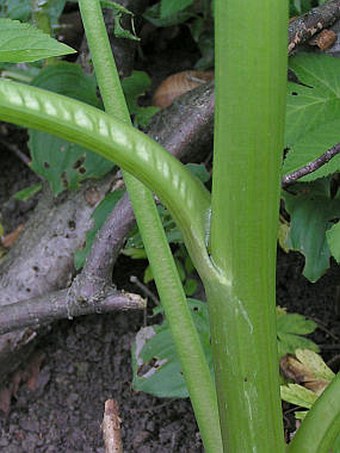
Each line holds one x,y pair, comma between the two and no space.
196,371
250,73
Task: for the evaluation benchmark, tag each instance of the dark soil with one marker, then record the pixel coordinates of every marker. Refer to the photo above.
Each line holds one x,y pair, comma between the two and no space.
15,176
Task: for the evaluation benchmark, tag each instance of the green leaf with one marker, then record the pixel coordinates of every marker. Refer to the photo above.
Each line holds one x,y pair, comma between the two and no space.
312,212
153,15
315,364
333,239
15,9
68,79
99,216
336,447
148,275
119,11
317,100
290,327
62,163
55,9
298,395
199,171
313,112
116,7
22,9
135,253
135,86
28,192
173,234
23,43
156,368
190,286
172,7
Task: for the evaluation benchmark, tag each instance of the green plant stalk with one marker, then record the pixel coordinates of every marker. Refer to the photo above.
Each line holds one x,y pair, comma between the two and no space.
321,425
250,74
192,358
40,17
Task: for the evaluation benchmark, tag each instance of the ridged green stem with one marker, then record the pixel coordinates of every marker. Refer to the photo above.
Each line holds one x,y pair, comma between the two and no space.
196,371
321,426
250,74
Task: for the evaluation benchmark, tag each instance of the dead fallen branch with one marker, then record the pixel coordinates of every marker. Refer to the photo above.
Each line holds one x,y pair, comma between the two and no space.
304,27
311,167
63,304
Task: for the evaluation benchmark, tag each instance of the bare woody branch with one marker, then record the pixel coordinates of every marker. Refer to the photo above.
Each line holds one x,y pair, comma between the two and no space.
304,27
311,167
61,304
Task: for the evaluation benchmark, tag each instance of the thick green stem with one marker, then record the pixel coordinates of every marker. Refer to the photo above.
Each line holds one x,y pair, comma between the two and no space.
321,426
250,75
196,371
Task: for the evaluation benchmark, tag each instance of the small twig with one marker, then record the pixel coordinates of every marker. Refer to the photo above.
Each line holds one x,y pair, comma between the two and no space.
311,167
64,304
322,326
329,347
15,150
144,288
334,362
111,428
304,27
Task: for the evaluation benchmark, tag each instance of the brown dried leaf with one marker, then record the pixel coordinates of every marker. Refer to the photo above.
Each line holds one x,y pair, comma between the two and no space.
178,84
9,239
28,376
324,40
5,400
306,369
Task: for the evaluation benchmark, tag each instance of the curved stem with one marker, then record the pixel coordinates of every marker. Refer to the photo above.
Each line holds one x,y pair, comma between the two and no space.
322,423
183,194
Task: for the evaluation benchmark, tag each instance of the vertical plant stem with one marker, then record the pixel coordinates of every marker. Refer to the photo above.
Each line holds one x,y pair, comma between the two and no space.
250,73
196,371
